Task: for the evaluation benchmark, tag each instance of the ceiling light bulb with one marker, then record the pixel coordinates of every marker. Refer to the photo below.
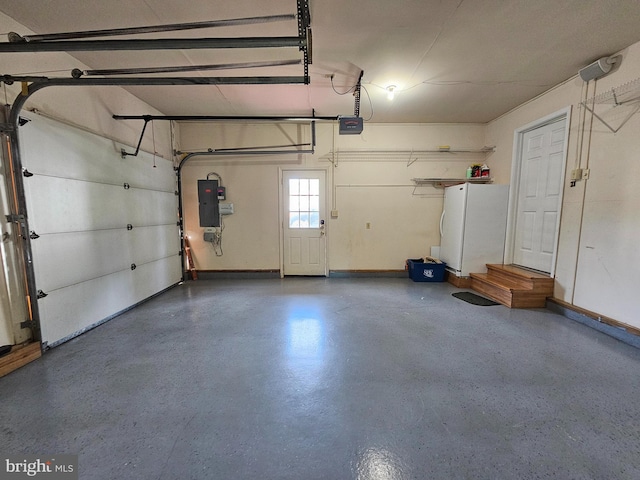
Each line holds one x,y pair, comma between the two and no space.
391,92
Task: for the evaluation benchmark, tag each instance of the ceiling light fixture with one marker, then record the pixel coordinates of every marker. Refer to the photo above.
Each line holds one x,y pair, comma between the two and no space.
391,91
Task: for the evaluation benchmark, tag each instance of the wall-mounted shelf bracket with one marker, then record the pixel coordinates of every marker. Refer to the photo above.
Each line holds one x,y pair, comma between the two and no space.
626,95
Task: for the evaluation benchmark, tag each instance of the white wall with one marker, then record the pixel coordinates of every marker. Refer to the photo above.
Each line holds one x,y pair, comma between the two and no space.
598,262
89,108
370,183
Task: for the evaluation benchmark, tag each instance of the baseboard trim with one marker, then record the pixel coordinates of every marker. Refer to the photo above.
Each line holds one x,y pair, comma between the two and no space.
368,274
268,274
237,274
618,330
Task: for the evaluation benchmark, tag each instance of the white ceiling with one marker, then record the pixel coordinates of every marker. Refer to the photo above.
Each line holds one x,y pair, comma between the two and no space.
452,60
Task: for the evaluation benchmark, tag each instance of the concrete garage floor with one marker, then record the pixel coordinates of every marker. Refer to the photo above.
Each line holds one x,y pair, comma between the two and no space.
313,378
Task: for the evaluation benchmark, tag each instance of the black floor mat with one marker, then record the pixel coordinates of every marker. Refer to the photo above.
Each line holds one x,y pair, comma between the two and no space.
474,299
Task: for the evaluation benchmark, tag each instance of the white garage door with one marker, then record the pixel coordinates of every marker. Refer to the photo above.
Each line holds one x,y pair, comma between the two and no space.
106,227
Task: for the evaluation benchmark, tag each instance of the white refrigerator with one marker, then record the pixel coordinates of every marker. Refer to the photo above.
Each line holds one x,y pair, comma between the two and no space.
473,227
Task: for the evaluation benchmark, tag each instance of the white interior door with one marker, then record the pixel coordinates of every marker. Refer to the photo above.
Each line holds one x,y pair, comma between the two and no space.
303,209
539,196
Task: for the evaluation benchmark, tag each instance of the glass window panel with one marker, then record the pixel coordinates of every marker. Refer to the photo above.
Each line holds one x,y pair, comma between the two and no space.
314,204
314,186
294,186
304,186
304,203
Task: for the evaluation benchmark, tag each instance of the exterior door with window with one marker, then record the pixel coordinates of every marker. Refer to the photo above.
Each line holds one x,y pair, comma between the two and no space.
304,246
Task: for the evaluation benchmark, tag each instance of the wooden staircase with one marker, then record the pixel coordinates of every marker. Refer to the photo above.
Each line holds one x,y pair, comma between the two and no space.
513,287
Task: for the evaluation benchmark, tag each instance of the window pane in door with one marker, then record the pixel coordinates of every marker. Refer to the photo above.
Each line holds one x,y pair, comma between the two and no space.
304,203
314,204
314,186
294,186
294,203
304,186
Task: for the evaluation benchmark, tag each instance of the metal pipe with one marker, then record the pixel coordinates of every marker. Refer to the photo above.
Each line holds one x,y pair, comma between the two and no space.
250,149
150,29
77,73
228,153
41,82
124,153
224,118
153,44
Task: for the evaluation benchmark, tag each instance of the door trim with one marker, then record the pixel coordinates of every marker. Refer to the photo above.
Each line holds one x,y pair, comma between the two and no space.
516,162
281,172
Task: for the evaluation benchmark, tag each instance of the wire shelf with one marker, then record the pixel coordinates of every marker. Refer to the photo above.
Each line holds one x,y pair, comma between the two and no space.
625,95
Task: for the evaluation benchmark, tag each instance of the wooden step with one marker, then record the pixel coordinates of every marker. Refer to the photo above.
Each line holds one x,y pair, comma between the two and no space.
18,356
537,282
501,292
507,292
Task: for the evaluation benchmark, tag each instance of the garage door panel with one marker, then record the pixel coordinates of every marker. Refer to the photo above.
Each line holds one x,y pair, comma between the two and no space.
89,157
147,171
95,254
148,207
62,205
79,207
69,311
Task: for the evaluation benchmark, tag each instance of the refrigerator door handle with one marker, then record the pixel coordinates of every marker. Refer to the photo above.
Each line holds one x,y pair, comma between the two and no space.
441,222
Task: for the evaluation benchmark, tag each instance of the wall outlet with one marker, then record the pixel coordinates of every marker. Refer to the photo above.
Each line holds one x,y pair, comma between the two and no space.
576,174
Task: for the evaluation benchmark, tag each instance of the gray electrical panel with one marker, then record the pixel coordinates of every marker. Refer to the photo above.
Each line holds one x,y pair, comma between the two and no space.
208,203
